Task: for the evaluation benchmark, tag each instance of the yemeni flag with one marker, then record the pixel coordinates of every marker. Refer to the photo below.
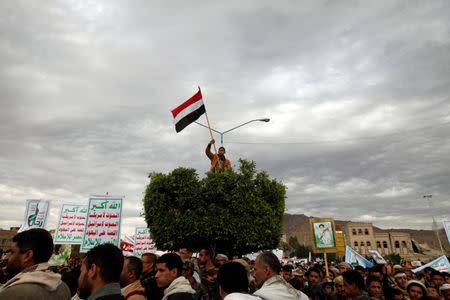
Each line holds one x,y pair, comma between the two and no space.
188,112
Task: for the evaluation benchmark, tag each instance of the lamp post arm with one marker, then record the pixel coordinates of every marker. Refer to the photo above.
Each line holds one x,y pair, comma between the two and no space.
216,131
240,125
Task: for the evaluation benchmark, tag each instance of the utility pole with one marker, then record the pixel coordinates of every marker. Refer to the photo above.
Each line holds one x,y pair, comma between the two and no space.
435,228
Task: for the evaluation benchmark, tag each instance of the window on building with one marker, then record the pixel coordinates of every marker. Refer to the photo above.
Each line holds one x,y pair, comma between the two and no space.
378,244
356,244
397,244
354,231
368,244
404,244
359,231
366,231
385,244
362,244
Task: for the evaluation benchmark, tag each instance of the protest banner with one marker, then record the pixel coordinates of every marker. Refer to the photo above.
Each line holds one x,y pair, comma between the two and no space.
323,234
447,229
440,264
354,258
377,256
72,220
143,242
36,213
103,222
127,245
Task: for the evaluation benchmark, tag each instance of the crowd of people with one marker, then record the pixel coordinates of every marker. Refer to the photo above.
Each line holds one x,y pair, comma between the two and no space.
104,273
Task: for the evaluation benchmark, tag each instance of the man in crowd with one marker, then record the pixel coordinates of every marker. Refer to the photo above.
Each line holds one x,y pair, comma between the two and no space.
374,287
185,254
400,280
354,286
208,274
169,268
27,262
221,259
343,266
437,279
148,280
233,282
314,288
129,279
286,272
218,161
100,274
271,285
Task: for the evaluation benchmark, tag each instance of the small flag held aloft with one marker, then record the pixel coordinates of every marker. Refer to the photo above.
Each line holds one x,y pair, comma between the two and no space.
188,112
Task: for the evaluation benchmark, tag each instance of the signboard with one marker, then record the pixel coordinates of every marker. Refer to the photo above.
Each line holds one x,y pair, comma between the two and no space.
72,221
35,214
447,229
103,222
377,257
143,243
440,264
323,234
354,258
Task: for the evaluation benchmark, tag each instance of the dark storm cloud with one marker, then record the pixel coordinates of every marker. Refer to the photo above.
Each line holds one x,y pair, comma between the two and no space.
357,94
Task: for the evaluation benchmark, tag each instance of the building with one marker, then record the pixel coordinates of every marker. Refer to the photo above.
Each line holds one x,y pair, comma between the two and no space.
361,237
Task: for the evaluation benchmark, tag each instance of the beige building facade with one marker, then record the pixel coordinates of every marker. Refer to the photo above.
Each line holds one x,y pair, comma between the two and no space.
362,237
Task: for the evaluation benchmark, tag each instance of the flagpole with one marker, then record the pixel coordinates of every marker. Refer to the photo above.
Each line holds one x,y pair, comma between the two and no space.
207,121
327,274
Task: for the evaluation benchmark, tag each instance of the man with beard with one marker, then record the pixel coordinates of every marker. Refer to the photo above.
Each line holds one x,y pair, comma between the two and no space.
129,279
148,280
218,161
169,276
27,262
100,274
271,285
208,274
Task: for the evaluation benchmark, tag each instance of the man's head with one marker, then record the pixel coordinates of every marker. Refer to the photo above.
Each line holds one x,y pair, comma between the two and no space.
185,254
415,289
314,276
374,287
221,259
232,278
148,262
28,248
267,265
376,271
286,272
343,266
221,151
339,285
401,279
102,265
437,279
131,271
169,267
205,256
353,283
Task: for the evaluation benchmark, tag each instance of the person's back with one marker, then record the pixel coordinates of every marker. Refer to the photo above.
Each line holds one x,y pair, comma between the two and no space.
233,282
30,251
271,285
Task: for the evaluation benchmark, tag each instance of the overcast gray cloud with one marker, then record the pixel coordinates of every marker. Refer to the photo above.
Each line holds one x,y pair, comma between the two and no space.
357,93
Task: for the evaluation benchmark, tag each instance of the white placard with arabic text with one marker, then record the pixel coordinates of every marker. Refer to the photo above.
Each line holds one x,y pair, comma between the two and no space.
143,243
103,222
72,221
35,214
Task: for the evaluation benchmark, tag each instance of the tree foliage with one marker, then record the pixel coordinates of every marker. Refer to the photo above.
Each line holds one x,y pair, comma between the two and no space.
299,250
234,212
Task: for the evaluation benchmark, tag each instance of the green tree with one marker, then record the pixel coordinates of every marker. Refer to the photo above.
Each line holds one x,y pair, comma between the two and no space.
231,212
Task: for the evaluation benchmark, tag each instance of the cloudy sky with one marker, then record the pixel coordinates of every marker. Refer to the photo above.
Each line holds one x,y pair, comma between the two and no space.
357,93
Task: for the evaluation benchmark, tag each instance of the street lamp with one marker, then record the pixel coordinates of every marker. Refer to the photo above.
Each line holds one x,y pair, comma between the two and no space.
222,133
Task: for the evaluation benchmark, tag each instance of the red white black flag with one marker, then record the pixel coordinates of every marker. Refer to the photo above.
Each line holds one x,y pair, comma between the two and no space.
188,112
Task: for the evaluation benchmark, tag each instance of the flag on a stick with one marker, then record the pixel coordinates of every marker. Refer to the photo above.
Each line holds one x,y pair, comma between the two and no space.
188,112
